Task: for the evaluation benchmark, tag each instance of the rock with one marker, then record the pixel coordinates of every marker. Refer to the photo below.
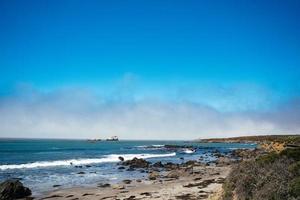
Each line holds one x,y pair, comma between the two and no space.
146,193
171,166
121,158
56,185
121,167
223,161
132,197
153,175
81,173
103,185
138,180
127,181
13,189
136,163
173,174
190,163
118,187
87,166
158,164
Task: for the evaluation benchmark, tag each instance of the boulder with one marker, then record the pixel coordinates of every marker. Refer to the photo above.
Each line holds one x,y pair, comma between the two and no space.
103,185
171,166
136,163
158,164
127,181
153,175
13,189
173,174
121,158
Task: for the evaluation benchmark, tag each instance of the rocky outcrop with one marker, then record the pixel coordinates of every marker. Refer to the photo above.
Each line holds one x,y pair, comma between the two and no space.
13,189
136,163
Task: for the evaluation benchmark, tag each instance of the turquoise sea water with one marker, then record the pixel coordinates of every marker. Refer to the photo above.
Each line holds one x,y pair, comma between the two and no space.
40,164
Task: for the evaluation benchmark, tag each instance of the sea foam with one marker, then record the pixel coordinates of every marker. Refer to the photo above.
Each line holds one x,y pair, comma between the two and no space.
84,161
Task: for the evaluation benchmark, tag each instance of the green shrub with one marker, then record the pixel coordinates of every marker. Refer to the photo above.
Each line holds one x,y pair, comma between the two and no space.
295,168
266,159
292,153
294,187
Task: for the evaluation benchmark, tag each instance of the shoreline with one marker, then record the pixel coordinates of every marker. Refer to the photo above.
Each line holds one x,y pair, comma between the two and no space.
193,182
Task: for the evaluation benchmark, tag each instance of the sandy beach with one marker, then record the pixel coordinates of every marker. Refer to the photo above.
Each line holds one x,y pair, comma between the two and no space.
190,182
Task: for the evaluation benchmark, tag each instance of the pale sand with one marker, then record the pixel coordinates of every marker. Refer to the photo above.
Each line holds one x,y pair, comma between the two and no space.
162,188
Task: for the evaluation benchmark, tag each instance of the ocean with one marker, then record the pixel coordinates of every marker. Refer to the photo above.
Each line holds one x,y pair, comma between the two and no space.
41,164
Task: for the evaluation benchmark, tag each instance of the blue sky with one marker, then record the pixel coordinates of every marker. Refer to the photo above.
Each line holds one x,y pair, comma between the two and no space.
229,56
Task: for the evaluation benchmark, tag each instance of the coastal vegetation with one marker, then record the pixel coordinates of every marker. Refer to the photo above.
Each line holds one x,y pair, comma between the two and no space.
272,175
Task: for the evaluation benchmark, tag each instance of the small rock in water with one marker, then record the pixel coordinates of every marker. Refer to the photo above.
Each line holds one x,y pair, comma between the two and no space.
81,173
88,166
56,185
121,168
13,189
121,158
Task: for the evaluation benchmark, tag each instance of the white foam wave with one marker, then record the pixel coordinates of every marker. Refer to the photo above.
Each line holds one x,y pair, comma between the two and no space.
106,159
189,151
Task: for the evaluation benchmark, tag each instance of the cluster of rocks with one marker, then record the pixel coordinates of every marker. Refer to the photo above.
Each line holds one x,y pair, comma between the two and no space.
13,189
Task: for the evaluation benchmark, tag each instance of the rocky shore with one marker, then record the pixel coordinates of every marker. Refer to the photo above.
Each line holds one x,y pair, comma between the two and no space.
190,180
186,180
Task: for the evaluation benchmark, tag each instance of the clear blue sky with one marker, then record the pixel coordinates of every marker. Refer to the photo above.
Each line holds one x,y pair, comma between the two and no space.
196,51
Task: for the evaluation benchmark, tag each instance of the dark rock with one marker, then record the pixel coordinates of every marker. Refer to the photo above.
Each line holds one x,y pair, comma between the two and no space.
88,166
81,173
52,196
138,180
200,185
136,163
103,185
121,167
132,197
158,164
56,185
127,181
146,193
130,169
121,158
87,194
171,166
13,189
